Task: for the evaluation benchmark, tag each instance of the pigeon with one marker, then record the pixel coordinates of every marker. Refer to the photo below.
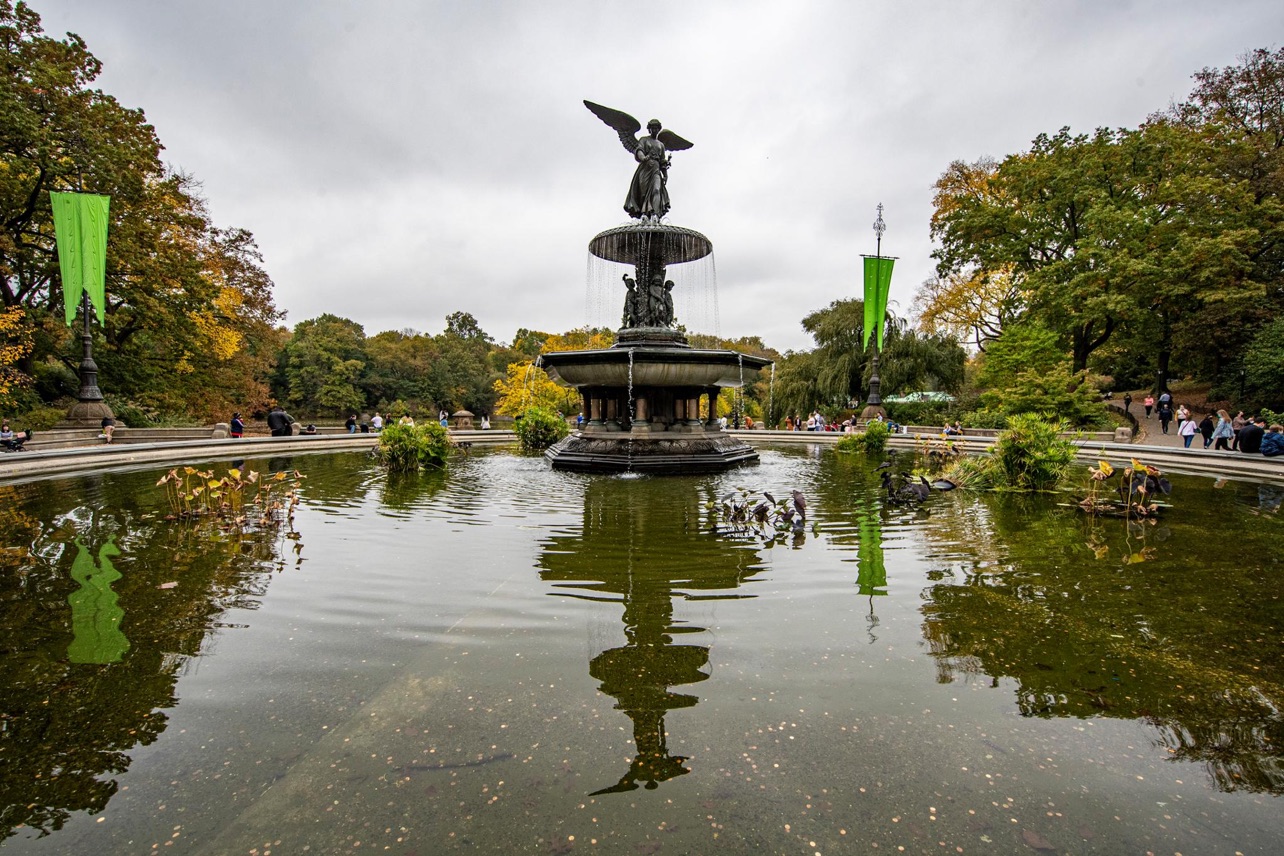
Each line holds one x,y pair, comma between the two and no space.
800,503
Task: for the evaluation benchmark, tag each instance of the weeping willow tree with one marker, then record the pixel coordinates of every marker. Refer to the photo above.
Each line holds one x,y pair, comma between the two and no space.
838,369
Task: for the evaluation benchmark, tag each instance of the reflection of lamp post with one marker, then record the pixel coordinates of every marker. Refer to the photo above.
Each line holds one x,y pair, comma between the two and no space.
1242,375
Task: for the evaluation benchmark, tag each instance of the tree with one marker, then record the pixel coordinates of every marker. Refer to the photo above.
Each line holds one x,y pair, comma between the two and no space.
189,311
15,343
972,304
323,363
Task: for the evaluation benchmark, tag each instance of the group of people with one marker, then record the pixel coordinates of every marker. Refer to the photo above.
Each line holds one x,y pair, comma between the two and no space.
1234,434
282,424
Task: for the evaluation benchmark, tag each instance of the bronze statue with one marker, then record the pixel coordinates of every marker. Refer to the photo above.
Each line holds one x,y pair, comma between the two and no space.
648,197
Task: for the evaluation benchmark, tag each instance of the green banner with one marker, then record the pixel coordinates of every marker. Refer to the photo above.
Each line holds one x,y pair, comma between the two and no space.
80,226
878,283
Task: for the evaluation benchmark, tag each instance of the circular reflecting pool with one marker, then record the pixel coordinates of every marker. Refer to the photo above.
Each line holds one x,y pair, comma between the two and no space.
505,659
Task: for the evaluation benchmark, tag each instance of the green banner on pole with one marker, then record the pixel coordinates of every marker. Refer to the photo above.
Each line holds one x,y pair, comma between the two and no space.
80,227
878,284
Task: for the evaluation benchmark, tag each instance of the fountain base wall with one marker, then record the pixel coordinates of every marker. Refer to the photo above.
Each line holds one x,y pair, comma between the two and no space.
665,453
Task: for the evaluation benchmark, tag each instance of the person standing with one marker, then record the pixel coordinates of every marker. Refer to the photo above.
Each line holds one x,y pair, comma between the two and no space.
1183,416
1149,403
1223,432
1206,429
1127,402
1237,425
236,428
1187,430
1165,414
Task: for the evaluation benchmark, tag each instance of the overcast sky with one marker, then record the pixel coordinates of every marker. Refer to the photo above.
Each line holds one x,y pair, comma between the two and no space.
398,161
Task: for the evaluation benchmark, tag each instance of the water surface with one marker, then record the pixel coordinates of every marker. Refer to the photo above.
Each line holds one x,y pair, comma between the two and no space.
504,659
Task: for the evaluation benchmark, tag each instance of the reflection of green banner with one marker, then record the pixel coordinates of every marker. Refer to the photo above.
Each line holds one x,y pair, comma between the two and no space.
878,284
872,577
80,226
95,615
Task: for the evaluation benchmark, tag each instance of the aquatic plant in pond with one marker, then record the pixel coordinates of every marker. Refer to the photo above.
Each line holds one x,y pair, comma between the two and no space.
1139,488
198,493
408,448
1029,455
538,428
873,439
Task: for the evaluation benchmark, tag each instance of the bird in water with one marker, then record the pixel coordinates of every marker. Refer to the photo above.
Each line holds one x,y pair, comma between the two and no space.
800,504
907,491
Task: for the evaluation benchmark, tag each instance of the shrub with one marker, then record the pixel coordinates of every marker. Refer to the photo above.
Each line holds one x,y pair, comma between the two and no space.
40,418
1028,456
537,429
873,439
133,416
406,448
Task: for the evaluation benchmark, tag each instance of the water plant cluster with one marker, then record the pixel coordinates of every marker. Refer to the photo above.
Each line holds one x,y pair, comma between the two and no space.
538,428
1138,490
1030,455
193,493
408,448
872,439
742,512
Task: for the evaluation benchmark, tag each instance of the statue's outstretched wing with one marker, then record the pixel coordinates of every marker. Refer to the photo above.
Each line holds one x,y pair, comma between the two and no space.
672,142
624,124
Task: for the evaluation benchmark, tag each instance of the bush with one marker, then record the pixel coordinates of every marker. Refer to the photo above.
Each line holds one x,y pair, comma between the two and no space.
873,439
39,418
537,429
1027,456
133,416
406,448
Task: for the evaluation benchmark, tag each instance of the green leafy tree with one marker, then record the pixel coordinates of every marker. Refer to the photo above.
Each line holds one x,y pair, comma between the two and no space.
323,364
189,310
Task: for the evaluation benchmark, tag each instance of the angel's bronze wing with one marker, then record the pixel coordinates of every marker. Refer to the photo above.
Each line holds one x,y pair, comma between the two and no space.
672,142
624,124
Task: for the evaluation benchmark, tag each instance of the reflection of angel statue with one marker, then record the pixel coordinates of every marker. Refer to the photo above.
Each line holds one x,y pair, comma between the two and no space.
648,195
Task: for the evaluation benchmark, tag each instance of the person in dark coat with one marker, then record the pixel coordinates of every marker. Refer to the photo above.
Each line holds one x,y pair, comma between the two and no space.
1165,414
280,423
236,428
1250,436
1273,441
1206,430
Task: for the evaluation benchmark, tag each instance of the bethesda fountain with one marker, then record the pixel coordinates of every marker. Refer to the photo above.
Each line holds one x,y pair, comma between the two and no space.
642,397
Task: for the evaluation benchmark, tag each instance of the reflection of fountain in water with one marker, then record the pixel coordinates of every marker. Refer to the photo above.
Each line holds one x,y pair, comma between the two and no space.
609,560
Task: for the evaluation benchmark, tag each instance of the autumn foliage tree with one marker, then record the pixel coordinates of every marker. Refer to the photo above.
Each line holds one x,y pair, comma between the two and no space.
189,317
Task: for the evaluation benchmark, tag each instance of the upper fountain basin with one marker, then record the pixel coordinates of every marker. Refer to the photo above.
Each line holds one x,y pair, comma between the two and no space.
663,367
657,243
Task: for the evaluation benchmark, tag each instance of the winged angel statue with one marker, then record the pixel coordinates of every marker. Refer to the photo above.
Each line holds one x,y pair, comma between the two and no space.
648,197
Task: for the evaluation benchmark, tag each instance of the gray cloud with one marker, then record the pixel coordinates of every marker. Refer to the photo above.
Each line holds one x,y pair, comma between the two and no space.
400,160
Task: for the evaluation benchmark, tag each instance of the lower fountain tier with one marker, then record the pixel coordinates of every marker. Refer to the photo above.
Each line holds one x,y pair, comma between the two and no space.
655,454
655,366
